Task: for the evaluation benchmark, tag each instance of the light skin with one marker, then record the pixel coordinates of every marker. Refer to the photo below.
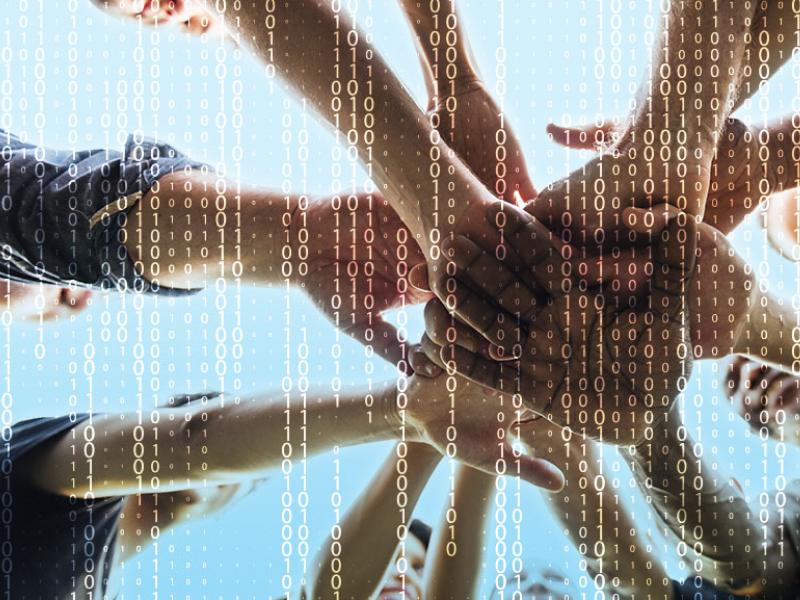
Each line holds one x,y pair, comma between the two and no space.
588,508
215,442
367,542
664,155
572,344
41,303
701,505
352,248
397,148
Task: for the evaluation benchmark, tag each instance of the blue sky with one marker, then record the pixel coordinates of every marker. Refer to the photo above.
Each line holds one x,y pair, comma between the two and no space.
74,78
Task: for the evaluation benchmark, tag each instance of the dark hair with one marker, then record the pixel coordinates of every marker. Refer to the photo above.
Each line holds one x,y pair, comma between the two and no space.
421,531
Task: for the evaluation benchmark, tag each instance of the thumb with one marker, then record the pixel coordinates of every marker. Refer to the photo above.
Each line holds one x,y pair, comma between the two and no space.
537,471
582,137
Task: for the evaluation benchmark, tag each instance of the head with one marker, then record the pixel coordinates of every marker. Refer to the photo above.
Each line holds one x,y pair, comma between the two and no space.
404,580
190,15
31,302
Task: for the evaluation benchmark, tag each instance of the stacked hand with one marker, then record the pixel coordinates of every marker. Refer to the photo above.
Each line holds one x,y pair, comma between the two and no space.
595,367
478,426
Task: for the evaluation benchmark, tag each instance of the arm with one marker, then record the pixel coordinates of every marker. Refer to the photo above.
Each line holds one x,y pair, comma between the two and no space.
211,442
442,45
462,109
454,559
308,47
218,441
368,533
700,505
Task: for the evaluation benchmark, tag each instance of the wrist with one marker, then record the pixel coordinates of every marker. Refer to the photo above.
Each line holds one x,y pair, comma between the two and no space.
400,421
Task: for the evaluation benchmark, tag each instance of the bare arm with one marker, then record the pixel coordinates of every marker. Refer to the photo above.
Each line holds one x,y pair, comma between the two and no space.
215,441
310,47
368,532
700,505
442,44
454,558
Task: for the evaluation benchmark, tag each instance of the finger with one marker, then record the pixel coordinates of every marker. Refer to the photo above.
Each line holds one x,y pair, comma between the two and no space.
623,274
674,256
524,190
537,471
543,254
384,339
583,137
734,375
445,329
432,351
418,277
421,364
480,284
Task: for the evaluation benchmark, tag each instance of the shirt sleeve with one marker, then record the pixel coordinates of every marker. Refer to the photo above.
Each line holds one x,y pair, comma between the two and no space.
62,212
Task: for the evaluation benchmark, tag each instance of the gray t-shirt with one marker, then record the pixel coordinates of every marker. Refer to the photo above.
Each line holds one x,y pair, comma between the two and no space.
53,546
62,212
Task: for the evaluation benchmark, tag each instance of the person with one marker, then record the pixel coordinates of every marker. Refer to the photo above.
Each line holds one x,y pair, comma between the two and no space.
66,479
41,302
395,140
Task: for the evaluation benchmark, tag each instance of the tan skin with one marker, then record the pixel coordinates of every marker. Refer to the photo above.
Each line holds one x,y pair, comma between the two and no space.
402,139
570,343
39,302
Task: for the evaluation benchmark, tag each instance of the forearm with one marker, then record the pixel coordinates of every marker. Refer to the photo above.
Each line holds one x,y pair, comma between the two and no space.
350,85
441,43
691,85
769,332
216,441
353,565
777,23
454,559
190,230
595,519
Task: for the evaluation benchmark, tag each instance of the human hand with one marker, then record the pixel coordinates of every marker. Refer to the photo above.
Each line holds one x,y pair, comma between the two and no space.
476,425
359,257
765,397
586,207
471,123
593,367
741,172
720,296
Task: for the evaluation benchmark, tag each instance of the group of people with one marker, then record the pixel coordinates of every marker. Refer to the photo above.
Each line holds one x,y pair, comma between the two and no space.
557,322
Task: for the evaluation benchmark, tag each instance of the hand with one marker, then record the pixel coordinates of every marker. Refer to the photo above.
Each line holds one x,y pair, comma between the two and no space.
720,297
469,121
586,206
477,424
765,397
359,257
739,175
596,368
